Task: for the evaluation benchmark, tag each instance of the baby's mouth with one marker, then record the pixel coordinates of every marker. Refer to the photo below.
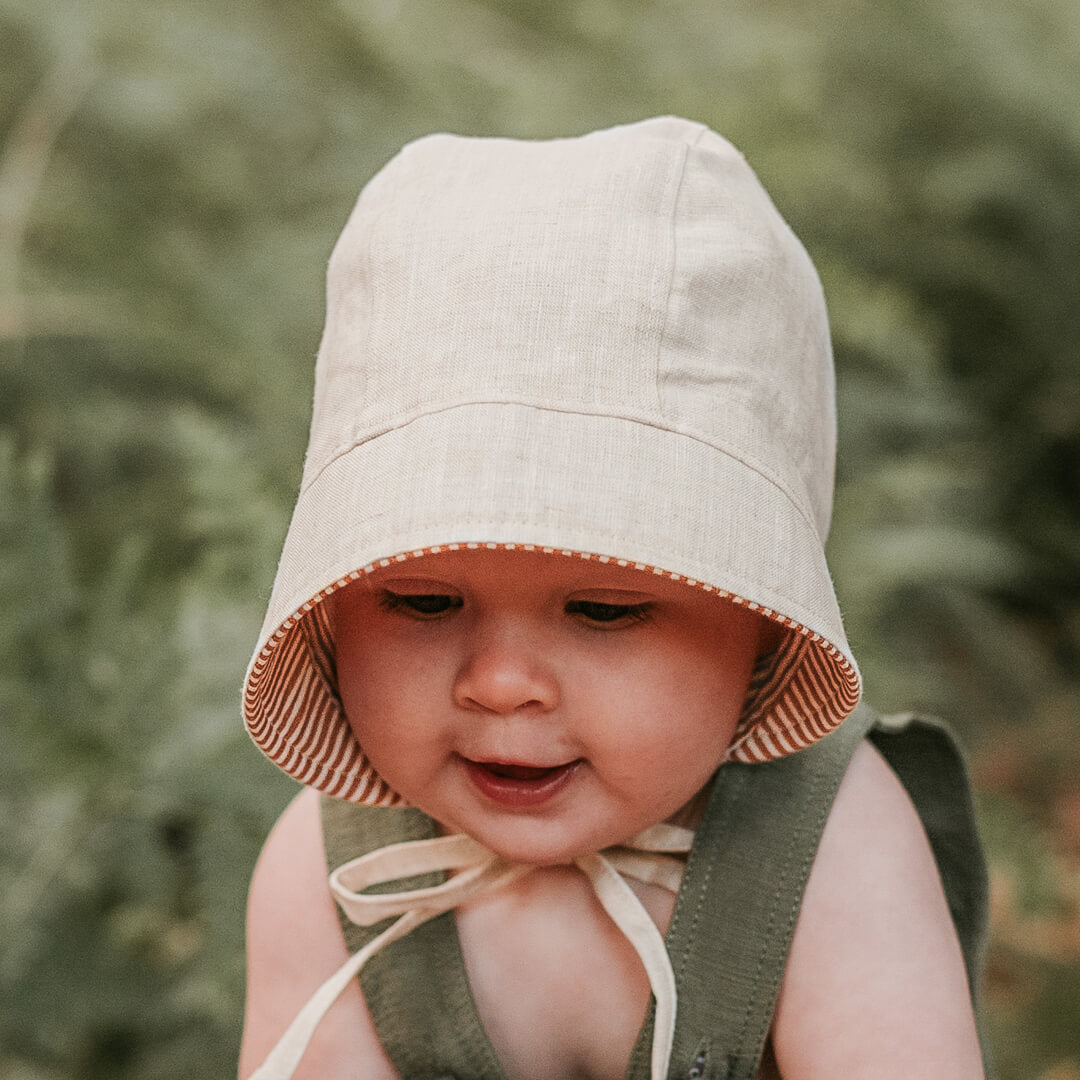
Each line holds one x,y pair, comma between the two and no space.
515,785
520,772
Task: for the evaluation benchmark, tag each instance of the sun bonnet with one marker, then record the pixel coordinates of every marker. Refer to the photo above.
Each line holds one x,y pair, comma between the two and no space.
609,346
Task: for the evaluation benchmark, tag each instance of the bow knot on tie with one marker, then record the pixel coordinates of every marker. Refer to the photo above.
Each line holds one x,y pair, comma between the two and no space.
651,856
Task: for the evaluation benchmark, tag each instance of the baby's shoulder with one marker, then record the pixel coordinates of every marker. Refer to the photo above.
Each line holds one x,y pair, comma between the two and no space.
291,868
875,983
294,943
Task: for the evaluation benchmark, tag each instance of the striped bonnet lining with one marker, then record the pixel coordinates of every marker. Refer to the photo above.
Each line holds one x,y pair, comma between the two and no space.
796,695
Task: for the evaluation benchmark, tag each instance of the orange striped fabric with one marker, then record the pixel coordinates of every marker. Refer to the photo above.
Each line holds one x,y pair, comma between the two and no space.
796,695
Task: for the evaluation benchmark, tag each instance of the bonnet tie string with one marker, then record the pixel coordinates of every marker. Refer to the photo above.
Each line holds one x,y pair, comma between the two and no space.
651,856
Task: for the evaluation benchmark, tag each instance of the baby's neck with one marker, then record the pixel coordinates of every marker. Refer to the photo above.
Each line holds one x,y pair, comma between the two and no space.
689,816
523,948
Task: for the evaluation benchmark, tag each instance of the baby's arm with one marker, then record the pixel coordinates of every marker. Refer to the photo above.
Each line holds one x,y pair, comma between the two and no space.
875,985
294,943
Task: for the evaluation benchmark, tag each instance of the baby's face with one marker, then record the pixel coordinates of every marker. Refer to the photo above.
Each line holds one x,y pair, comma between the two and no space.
546,705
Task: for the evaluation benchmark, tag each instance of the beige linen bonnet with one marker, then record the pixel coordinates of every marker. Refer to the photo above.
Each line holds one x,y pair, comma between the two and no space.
609,346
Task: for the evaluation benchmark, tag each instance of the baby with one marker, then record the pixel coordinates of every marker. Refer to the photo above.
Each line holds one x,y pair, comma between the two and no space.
554,648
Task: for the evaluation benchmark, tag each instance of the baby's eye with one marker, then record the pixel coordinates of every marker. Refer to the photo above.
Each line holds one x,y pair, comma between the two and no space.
596,611
421,605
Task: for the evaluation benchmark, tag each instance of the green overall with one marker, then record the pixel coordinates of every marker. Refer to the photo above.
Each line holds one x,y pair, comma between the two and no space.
749,864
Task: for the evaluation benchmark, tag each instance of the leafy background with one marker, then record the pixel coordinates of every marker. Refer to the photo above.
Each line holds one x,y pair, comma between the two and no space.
172,176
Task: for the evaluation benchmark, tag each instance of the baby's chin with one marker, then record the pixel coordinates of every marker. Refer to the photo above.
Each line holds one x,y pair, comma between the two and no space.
539,844
529,851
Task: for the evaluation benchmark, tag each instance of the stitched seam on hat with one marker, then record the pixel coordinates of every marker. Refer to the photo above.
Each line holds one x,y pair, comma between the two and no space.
433,409
662,337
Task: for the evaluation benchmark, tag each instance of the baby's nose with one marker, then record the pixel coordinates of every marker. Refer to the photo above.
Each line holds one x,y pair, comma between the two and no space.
505,671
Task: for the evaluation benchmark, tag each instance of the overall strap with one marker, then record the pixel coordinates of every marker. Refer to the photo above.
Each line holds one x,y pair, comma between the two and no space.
736,913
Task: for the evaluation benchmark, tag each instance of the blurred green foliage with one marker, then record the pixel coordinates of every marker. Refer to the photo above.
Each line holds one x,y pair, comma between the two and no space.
172,176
